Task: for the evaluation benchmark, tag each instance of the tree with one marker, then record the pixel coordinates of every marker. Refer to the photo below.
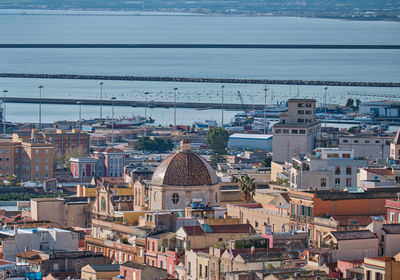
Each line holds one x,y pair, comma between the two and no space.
350,103
217,138
247,188
157,144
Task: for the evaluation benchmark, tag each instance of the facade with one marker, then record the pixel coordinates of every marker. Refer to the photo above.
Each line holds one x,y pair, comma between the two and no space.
383,108
61,264
390,239
261,217
351,245
137,271
328,168
43,239
83,167
366,146
204,236
379,268
393,211
395,147
240,141
182,178
297,131
60,211
62,140
100,271
306,205
29,161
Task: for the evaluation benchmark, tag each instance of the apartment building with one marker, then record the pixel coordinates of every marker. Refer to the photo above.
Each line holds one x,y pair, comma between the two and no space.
297,132
326,168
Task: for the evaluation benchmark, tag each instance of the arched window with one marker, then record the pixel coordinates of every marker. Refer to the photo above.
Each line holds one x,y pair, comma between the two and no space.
103,204
175,198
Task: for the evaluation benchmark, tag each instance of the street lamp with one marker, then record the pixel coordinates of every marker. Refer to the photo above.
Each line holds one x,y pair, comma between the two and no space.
265,112
222,106
112,123
40,107
326,88
145,111
175,90
80,113
101,101
4,110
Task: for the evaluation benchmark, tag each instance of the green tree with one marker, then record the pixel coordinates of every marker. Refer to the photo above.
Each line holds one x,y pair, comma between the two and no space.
350,103
157,144
217,138
247,188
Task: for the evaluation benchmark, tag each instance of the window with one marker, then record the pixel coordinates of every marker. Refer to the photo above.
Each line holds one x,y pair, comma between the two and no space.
377,141
46,167
286,131
391,216
337,170
37,151
348,170
323,182
200,270
277,131
332,155
366,141
140,252
294,131
346,156
348,182
47,159
148,245
46,176
212,269
303,210
308,112
337,181
206,271
103,204
300,105
345,141
309,105
309,211
256,223
356,141
300,120
47,151
37,168
189,268
175,198
37,159
152,246
302,131
37,176
378,276
300,112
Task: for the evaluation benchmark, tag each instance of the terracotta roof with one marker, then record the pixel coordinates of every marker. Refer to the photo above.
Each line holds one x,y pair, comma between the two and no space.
201,230
391,228
380,171
109,150
185,168
353,220
353,234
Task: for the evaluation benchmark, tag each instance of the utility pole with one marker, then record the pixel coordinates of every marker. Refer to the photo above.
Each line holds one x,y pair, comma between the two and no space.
40,107
326,88
175,90
4,111
145,112
265,109
101,101
80,113
222,105
112,124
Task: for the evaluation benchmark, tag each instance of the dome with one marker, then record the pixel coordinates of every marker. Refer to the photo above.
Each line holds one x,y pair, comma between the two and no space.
185,168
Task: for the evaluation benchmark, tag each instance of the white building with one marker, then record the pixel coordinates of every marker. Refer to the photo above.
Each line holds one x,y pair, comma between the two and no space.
366,146
42,239
383,108
241,141
327,168
297,131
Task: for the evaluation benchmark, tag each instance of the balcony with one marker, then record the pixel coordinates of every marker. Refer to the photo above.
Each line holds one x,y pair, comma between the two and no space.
306,219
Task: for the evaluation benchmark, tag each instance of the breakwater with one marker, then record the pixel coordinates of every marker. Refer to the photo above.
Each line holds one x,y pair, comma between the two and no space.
131,103
199,46
199,80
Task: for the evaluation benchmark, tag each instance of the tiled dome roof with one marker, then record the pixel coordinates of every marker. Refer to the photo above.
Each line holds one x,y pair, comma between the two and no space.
185,168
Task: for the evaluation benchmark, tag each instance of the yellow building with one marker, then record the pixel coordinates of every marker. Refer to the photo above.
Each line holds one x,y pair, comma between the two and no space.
117,190
380,268
99,271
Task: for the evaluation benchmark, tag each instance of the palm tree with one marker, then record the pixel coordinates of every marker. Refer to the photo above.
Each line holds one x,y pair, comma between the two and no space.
247,188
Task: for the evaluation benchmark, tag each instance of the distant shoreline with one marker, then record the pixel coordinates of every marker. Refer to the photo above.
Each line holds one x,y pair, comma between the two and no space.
73,12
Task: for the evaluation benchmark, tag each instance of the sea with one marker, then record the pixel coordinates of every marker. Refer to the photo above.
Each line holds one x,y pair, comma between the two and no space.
56,27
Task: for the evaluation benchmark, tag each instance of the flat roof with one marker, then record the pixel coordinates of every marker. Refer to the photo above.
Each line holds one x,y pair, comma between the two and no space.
251,136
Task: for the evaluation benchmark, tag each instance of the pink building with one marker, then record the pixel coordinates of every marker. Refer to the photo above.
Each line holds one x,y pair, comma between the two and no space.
136,271
83,167
343,266
393,211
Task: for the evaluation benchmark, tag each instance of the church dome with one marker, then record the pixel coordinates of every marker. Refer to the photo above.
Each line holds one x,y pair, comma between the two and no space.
185,168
